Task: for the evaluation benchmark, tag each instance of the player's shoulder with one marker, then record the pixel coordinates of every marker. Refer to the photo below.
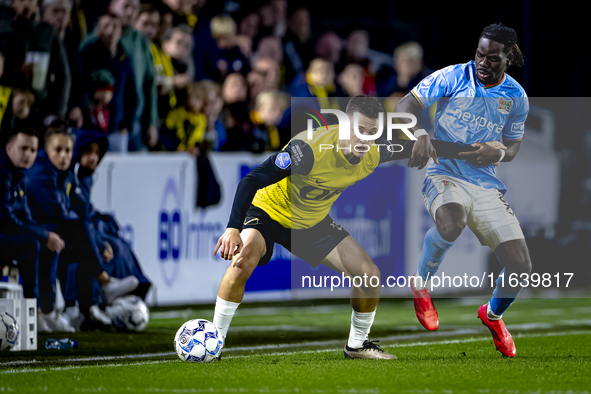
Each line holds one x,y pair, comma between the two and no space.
453,75
457,71
513,87
320,135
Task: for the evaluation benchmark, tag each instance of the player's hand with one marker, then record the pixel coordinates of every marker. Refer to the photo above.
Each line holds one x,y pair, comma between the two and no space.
55,243
486,154
229,244
421,152
108,252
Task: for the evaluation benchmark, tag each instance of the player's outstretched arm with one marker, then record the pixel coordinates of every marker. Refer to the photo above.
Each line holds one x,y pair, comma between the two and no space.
274,169
423,149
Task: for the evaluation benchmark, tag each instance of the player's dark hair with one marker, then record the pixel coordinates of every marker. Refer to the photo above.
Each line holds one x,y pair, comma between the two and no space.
22,128
506,36
368,106
57,128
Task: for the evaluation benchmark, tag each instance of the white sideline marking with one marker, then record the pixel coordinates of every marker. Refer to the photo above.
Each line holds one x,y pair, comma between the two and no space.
70,367
445,342
281,311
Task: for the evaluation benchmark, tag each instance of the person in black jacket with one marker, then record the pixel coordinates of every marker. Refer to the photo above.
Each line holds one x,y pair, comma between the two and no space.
51,183
120,260
20,238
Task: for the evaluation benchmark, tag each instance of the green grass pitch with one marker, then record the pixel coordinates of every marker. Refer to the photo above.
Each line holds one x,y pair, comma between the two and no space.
296,347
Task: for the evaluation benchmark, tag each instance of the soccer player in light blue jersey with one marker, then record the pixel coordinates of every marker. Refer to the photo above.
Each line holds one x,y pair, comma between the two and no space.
478,104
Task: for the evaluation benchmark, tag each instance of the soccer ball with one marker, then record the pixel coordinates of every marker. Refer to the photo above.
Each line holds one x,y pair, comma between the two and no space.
129,313
8,331
199,341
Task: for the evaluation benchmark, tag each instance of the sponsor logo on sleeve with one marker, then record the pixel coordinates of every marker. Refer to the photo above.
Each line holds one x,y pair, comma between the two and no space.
296,155
518,127
283,160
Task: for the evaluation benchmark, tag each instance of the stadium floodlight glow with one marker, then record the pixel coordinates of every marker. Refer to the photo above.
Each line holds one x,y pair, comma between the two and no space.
345,125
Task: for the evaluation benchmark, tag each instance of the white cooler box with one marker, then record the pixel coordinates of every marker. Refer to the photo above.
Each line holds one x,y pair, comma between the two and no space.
24,311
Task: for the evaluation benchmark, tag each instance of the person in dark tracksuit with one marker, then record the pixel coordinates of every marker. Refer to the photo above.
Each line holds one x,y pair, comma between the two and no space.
89,150
21,239
119,261
51,184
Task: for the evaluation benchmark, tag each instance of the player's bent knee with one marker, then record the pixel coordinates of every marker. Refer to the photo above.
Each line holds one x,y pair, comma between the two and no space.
452,229
244,264
524,265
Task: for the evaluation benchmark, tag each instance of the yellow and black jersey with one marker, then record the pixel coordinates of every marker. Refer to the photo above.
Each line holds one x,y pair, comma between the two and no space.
297,186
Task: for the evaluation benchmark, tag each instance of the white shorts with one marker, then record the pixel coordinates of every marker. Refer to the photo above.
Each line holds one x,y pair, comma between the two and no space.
489,215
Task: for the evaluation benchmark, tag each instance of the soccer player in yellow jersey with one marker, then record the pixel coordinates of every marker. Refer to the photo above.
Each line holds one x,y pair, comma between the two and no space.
286,200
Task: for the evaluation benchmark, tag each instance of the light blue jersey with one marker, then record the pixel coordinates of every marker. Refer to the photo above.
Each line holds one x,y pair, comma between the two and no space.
469,112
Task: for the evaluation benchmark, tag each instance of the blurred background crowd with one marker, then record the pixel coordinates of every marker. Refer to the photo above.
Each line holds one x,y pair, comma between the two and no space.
184,75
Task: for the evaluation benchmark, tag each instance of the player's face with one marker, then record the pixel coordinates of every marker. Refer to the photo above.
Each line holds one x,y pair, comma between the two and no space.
22,150
366,126
60,149
90,158
490,61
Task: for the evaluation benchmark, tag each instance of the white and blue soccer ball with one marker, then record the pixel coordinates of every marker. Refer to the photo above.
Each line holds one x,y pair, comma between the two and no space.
129,313
9,331
198,341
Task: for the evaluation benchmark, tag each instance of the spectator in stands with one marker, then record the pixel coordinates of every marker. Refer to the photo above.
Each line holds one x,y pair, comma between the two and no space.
297,45
177,43
407,72
212,108
263,76
351,80
32,47
356,48
148,20
152,21
144,131
184,127
100,90
20,238
318,82
329,47
270,47
408,63
51,183
106,52
230,54
267,113
15,109
236,114
89,150
182,12
249,25
58,14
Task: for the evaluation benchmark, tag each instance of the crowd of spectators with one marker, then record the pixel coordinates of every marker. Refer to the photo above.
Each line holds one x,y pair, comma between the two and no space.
183,75
80,78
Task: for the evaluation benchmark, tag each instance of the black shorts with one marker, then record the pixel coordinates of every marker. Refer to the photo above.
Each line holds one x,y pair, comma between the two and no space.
311,244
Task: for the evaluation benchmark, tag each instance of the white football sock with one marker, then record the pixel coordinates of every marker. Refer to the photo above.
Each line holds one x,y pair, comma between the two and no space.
224,312
420,283
491,315
360,326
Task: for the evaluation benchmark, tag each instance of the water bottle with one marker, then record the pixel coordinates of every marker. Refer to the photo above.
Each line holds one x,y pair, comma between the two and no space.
56,344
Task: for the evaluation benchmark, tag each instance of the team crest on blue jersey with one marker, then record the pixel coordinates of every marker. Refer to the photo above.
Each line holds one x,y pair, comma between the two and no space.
283,160
504,106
